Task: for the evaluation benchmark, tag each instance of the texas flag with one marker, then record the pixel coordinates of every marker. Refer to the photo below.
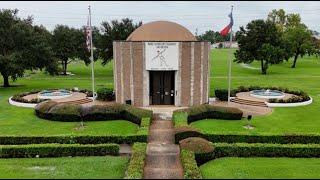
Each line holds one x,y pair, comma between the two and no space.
226,30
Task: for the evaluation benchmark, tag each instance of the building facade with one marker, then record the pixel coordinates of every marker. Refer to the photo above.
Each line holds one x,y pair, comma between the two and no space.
161,63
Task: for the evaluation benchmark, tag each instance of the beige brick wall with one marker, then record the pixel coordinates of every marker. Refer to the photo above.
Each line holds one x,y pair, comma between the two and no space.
117,62
137,73
131,53
206,75
126,64
185,73
197,72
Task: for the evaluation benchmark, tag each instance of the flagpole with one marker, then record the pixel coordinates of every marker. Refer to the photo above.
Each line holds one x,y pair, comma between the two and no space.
91,57
230,57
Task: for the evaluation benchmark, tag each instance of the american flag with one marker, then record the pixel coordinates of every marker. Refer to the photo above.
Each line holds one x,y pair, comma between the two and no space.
88,35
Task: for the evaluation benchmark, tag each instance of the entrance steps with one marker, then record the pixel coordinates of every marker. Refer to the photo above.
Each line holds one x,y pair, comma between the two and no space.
163,155
80,101
248,102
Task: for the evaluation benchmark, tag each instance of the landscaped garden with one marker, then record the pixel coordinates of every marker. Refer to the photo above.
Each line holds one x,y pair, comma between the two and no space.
18,121
271,133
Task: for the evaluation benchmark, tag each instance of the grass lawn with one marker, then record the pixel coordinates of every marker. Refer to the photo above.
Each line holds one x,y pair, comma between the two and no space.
297,120
261,168
22,121
66,168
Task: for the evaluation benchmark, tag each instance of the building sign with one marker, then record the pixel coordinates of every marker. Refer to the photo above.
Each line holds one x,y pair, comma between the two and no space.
162,56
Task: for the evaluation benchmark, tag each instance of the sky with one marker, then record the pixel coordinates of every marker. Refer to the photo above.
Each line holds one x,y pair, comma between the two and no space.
197,16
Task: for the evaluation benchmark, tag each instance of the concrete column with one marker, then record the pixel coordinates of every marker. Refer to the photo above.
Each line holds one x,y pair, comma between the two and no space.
121,69
177,101
115,68
192,74
208,83
131,75
201,74
146,77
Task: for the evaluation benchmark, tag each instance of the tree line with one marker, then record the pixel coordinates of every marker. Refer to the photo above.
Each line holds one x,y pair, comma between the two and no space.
274,40
25,46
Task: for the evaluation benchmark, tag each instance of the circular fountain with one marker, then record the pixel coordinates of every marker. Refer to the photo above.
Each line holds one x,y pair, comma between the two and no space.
54,94
267,94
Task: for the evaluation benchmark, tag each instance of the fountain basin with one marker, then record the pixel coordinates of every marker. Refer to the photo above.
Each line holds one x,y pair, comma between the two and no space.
267,94
54,94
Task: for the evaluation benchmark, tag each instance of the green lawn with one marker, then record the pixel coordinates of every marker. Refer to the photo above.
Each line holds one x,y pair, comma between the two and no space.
66,168
298,120
22,121
232,168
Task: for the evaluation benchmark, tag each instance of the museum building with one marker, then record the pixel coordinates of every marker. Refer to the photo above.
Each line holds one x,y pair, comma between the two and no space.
161,63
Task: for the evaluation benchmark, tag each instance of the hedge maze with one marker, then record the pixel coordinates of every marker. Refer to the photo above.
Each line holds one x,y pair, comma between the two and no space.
225,145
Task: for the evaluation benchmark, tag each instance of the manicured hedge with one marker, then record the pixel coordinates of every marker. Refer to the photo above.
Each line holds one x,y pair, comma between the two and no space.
57,150
196,144
136,164
129,139
228,138
222,94
190,168
106,94
65,112
206,111
70,112
259,150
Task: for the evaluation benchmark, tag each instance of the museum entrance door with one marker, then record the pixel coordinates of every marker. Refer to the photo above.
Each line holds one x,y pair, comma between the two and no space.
162,87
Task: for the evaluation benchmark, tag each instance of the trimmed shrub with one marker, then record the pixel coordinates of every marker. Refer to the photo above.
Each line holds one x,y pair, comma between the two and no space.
196,144
229,138
87,92
135,114
259,150
106,94
222,94
65,112
70,112
43,108
102,113
136,164
186,132
191,170
57,150
118,139
206,111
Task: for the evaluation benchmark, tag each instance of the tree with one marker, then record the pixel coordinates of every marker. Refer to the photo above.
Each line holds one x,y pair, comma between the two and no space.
214,37
116,30
84,54
299,39
22,46
68,44
260,41
211,36
279,18
316,45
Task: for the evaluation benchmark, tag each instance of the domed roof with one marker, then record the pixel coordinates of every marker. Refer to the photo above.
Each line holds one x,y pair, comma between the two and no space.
161,31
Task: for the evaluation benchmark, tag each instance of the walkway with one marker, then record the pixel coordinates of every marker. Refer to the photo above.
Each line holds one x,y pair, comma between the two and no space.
163,155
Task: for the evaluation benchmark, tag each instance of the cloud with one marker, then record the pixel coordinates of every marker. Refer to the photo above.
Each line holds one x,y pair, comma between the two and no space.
201,15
